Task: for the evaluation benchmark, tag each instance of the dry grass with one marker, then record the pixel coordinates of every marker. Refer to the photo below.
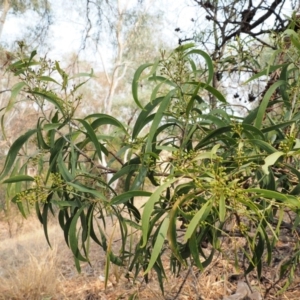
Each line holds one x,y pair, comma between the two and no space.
29,269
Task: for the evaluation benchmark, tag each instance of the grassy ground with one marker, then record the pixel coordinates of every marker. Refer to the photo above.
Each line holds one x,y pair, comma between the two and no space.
29,269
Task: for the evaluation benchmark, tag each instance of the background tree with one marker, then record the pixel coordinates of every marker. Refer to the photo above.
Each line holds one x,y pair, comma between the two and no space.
42,7
237,34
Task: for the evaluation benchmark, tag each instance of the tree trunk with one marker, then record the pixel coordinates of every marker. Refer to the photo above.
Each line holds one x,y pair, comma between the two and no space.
5,8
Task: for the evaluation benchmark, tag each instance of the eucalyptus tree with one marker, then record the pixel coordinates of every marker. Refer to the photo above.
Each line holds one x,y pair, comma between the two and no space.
42,7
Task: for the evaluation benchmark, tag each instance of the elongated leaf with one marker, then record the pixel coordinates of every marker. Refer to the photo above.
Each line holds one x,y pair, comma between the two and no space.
149,208
19,203
93,138
263,145
67,176
73,239
15,90
161,236
157,119
265,101
264,72
200,216
277,126
84,74
256,132
208,61
56,101
84,189
140,122
63,204
48,79
214,134
184,47
51,126
222,208
135,83
194,246
288,199
103,119
122,198
18,178
45,221
14,151
210,89
162,80
270,160
124,171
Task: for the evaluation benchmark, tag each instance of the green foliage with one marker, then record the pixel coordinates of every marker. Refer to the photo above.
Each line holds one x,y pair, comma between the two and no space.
218,176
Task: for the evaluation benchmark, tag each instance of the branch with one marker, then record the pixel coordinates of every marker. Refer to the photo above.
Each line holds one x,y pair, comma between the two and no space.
247,29
263,18
4,91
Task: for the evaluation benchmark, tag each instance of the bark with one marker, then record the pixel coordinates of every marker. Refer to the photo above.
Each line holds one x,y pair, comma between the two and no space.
4,10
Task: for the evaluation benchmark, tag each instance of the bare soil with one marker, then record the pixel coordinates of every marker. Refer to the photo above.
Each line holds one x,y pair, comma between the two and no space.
30,269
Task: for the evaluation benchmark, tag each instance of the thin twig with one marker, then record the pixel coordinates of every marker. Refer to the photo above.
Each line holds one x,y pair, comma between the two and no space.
183,282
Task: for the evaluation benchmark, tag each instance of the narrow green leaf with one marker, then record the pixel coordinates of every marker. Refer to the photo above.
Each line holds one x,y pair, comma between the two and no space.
210,89
103,119
263,145
266,71
265,101
277,126
161,236
142,118
67,176
184,47
18,178
15,90
157,119
73,239
14,151
45,222
222,208
20,205
149,208
214,134
51,126
63,204
124,171
194,245
135,83
200,216
208,61
93,138
52,98
48,79
84,189
270,160
287,199
122,198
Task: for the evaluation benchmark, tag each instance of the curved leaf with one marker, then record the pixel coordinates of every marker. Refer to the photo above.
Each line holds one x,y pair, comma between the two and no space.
208,61
18,178
161,236
122,198
135,83
265,101
200,216
149,208
14,151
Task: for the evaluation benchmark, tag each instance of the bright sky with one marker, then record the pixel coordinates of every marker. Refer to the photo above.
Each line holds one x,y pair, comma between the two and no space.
65,33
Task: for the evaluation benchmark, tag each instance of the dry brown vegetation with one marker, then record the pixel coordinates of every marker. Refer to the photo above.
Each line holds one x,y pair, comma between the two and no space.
29,269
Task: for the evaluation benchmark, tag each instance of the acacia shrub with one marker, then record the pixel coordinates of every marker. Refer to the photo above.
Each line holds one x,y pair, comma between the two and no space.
223,176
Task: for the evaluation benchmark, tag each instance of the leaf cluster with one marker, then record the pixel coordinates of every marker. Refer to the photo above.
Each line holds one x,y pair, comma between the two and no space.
219,176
